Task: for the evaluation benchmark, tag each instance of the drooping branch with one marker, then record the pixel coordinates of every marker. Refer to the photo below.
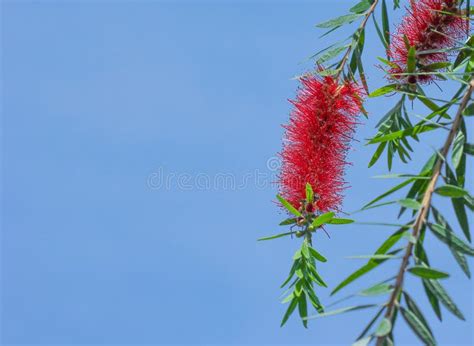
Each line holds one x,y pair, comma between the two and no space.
359,30
425,206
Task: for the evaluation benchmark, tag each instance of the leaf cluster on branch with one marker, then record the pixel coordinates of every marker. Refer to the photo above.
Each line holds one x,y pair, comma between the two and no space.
431,46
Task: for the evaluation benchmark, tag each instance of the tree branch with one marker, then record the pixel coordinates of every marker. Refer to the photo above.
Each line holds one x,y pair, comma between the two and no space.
425,206
360,28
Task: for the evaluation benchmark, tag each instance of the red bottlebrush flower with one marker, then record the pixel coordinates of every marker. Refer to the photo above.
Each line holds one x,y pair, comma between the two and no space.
316,141
428,25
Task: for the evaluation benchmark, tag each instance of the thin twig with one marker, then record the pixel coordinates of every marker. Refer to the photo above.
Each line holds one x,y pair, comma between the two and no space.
361,27
425,206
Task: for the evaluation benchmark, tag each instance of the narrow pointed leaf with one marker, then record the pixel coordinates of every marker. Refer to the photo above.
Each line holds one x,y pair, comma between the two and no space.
287,222
448,237
336,22
409,203
275,236
427,273
383,90
451,191
289,311
384,328
371,323
371,264
317,255
309,193
418,327
288,206
343,310
339,221
389,192
322,219
376,290
438,290
413,307
303,309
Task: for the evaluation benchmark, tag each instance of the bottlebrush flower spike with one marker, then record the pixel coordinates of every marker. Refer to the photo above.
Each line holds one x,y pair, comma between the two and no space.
316,141
429,25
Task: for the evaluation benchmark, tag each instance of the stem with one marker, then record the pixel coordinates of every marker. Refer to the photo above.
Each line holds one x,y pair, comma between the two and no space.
308,236
425,206
360,28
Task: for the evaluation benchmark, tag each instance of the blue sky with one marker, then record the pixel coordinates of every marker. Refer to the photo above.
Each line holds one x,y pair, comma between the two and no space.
100,98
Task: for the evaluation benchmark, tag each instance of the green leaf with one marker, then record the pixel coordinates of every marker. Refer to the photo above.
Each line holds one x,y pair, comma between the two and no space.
408,132
319,280
385,23
305,249
372,257
361,6
339,221
275,236
314,300
377,153
363,342
417,326
303,309
293,269
462,261
458,204
465,51
413,307
376,290
309,193
387,62
371,264
389,192
331,54
371,323
384,328
458,256
461,165
401,175
469,148
327,72
287,222
409,203
458,149
297,255
461,215
437,65
380,34
444,298
432,298
383,90
411,60
289,311
447,236
427,273
316,254
451,191
336,22
469,110
288,206
288,298
321,220
343,310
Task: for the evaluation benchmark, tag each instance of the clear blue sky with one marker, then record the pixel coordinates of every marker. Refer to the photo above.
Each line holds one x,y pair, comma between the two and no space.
101,96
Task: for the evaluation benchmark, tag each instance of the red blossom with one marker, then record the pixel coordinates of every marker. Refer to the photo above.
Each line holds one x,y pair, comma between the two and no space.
428,25
316,141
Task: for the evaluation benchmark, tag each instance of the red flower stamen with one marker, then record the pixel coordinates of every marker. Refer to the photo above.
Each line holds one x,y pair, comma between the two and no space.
317,138
430,25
